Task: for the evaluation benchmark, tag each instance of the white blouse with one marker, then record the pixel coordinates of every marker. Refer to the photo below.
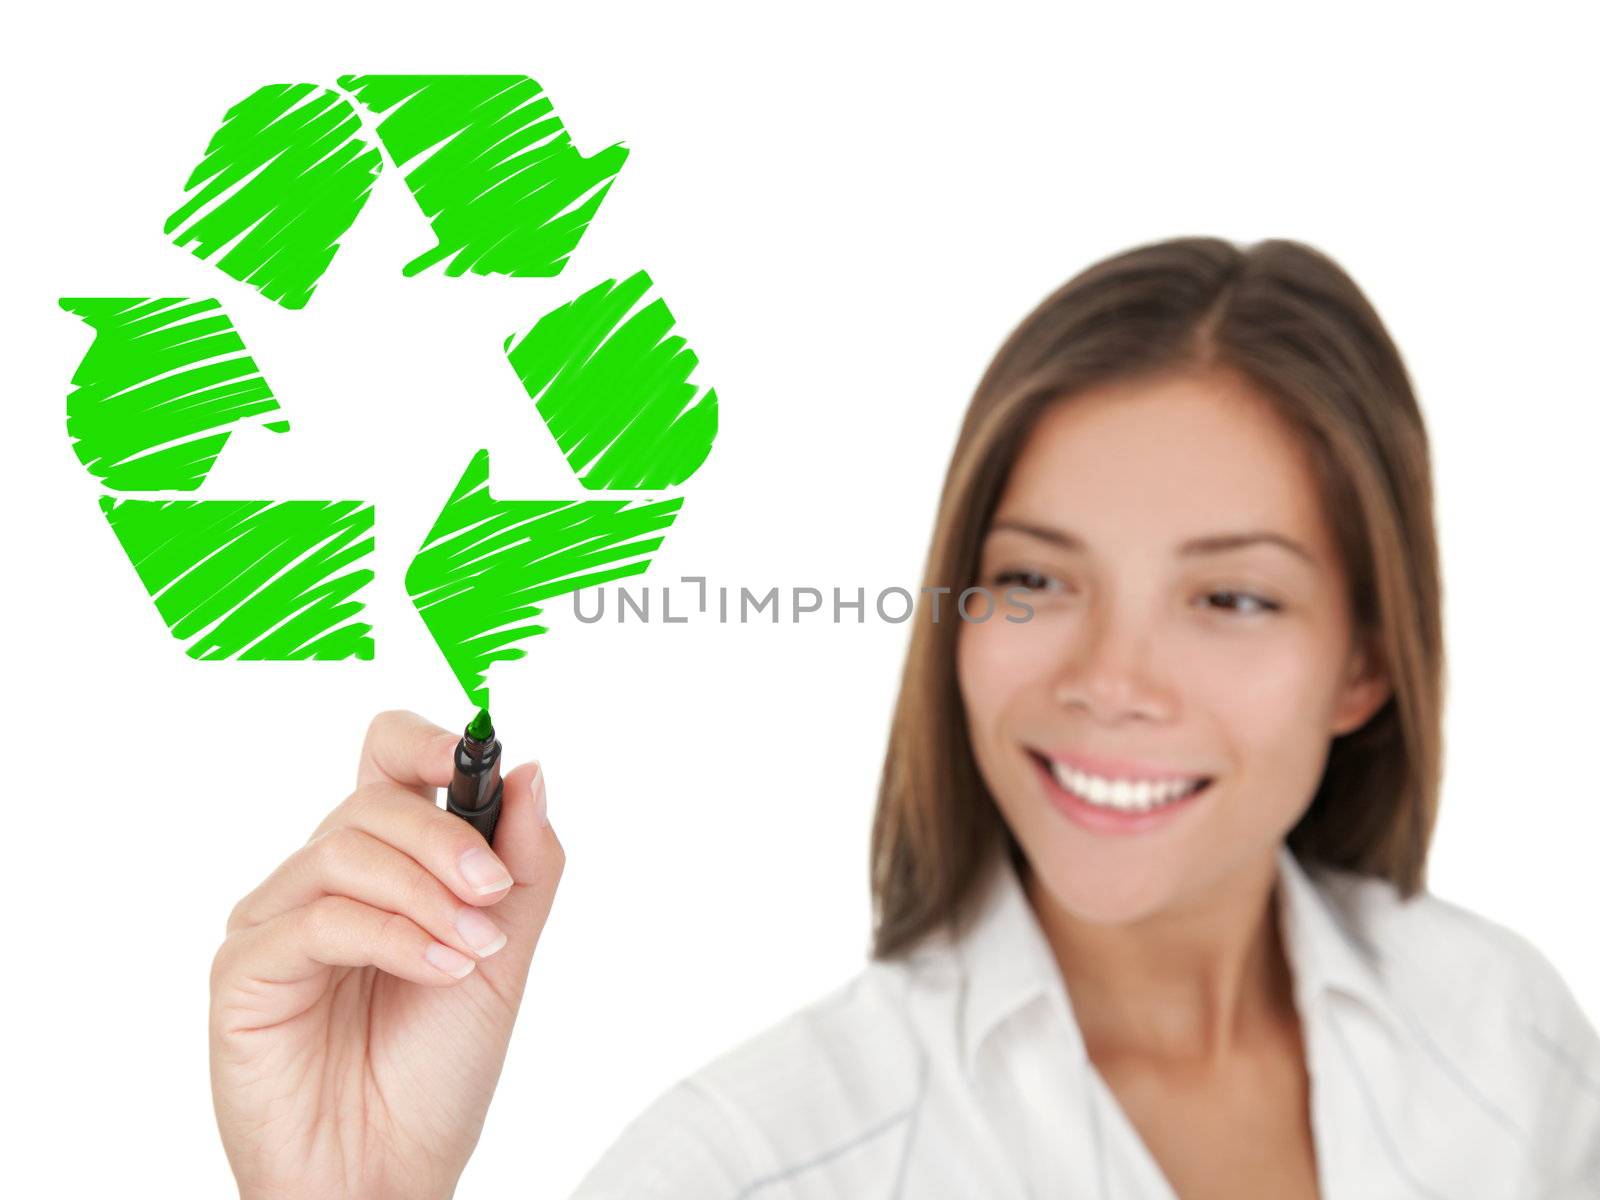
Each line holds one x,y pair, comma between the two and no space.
1447,1060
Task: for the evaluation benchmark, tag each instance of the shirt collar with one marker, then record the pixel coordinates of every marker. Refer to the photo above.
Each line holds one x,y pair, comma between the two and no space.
1323,939
1008,963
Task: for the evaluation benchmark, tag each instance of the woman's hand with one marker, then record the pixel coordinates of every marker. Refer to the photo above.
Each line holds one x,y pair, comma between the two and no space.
361,1002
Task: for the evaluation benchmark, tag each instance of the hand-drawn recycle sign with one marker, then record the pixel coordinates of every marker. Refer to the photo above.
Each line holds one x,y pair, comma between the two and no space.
166,380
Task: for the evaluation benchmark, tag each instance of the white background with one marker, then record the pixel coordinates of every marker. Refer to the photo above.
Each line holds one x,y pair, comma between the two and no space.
847,207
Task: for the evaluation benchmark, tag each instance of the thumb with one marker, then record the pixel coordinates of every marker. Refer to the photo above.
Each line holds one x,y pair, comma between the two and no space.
526,843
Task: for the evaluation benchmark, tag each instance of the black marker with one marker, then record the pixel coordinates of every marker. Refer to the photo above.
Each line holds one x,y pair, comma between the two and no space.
475,787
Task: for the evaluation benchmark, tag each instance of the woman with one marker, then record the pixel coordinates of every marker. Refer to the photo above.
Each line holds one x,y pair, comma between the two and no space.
1148,865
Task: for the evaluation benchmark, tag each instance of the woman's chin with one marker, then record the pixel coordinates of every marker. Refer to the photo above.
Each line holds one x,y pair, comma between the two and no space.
1096,893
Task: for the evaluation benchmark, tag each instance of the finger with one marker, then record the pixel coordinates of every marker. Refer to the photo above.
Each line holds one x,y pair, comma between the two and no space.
522,837
256,970
404,748
527,843
442,842
351,862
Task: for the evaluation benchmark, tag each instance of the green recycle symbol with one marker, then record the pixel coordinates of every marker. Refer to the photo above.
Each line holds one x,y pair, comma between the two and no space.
165,380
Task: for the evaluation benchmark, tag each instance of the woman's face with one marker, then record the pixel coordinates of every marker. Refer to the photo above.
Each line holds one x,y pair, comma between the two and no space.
1146,660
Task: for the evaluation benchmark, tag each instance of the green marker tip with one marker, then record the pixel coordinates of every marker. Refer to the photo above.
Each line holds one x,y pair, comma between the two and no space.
482,728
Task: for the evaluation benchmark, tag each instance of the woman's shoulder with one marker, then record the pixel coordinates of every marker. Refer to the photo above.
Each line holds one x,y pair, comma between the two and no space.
841,1070
850,1053
1492,1034
1454,962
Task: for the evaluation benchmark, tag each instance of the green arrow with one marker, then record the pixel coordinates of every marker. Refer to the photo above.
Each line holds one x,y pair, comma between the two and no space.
281,181
613,387
487,565
252,579
492,168
159,390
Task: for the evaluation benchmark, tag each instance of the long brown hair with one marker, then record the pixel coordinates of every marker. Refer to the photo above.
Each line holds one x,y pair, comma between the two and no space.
1292,322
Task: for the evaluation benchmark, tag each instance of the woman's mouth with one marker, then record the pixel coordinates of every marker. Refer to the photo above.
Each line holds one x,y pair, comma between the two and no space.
1116,805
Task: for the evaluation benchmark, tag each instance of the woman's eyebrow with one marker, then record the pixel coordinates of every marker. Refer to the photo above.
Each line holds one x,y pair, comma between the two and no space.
1213,543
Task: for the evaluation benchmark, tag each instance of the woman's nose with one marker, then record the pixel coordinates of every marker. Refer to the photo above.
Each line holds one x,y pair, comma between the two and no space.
1109,670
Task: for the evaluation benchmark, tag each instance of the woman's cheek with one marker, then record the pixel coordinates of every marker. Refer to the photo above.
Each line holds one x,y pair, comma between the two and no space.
1011,657
1267,667
1271,697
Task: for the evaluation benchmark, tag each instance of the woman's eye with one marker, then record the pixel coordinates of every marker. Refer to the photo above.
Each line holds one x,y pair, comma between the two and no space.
1030,580
1261,603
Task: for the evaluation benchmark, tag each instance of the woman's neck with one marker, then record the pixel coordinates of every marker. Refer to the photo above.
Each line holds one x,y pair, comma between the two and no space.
1189,986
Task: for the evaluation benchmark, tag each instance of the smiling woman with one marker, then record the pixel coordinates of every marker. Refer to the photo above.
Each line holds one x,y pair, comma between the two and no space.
1228,656
1148,867
1151,863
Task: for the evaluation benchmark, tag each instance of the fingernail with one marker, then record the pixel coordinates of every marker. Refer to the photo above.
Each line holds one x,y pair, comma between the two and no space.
451,962
539,802
478,931
484,871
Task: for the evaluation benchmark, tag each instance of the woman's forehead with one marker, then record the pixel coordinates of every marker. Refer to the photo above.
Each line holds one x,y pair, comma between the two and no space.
1189,455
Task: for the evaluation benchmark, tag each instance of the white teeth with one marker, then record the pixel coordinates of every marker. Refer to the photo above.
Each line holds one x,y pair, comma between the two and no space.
1122,794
